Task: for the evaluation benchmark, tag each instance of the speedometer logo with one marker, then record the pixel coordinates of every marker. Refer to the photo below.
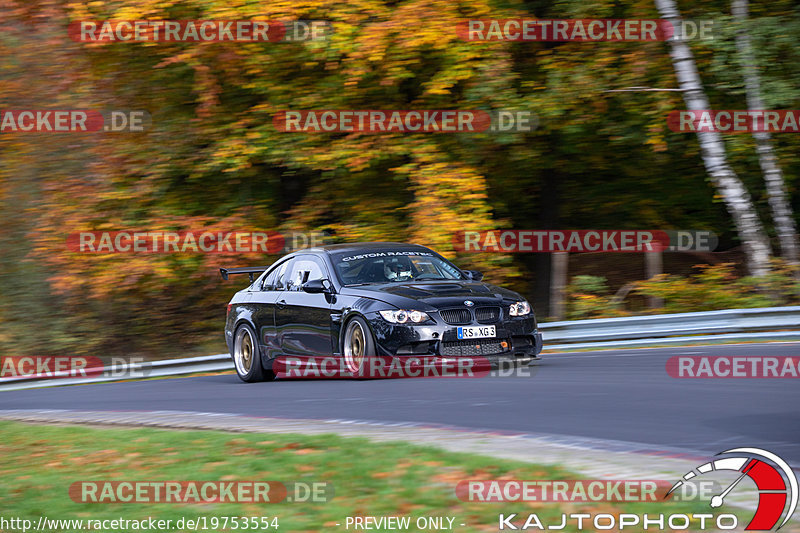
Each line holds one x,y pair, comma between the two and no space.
774,479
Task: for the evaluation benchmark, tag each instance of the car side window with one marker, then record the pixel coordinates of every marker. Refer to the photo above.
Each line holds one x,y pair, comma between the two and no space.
305,268
280,279
274,281
269,280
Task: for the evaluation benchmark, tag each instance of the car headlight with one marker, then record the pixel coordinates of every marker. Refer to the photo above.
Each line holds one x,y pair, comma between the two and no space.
520,308
401,316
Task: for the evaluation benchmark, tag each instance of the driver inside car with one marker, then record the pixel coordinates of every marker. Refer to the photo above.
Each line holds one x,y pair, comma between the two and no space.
397,269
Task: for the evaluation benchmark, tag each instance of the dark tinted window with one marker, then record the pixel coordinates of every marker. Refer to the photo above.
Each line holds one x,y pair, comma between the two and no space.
386,266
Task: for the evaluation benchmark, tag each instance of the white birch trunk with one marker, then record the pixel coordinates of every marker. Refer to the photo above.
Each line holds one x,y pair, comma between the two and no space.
729,186
773,177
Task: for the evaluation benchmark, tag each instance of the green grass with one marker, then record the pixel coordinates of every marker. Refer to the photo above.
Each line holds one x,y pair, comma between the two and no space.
39,462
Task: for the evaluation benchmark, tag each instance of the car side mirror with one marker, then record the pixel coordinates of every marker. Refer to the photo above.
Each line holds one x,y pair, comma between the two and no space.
474,275
317,286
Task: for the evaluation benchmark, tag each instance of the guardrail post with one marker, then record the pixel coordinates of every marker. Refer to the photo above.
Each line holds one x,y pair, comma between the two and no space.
558,284
654,266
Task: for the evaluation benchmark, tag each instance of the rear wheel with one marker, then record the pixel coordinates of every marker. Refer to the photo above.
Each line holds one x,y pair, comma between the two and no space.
358,347
247,356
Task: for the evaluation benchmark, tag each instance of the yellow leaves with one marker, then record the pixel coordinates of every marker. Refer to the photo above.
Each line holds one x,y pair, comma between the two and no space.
449,196
182,57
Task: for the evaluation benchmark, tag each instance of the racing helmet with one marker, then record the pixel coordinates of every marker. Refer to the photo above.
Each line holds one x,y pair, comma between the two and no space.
397,269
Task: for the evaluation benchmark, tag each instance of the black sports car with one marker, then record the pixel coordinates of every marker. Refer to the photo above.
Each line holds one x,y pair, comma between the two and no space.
354,301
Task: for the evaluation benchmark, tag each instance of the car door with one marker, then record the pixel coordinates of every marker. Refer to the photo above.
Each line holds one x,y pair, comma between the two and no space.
303,320
265,294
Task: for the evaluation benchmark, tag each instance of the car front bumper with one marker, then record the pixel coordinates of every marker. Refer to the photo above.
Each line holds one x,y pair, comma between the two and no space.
516,339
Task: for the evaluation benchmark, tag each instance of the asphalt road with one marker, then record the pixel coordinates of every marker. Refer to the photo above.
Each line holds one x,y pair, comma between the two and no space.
620,395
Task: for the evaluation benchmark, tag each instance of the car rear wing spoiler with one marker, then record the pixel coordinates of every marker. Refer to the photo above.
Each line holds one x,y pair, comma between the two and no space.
252,271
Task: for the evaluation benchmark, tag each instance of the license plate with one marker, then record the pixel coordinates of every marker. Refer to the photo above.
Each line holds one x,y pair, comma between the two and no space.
476,332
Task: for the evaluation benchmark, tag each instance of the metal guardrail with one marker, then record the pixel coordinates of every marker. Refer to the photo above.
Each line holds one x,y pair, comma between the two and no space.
772,323
778,323
149,369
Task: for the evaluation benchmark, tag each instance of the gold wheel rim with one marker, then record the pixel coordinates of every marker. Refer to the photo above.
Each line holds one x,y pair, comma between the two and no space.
354,346
244,352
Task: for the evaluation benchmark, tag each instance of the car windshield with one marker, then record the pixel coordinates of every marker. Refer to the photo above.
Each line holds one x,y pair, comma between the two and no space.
391,266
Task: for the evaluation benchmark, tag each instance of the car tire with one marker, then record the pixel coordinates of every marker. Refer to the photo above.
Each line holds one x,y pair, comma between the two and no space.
358,346
247,356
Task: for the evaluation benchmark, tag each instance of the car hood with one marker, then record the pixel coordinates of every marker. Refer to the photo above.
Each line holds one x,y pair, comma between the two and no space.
435,294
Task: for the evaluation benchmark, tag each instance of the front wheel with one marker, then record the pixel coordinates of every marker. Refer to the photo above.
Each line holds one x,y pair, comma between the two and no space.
247,356
358,347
